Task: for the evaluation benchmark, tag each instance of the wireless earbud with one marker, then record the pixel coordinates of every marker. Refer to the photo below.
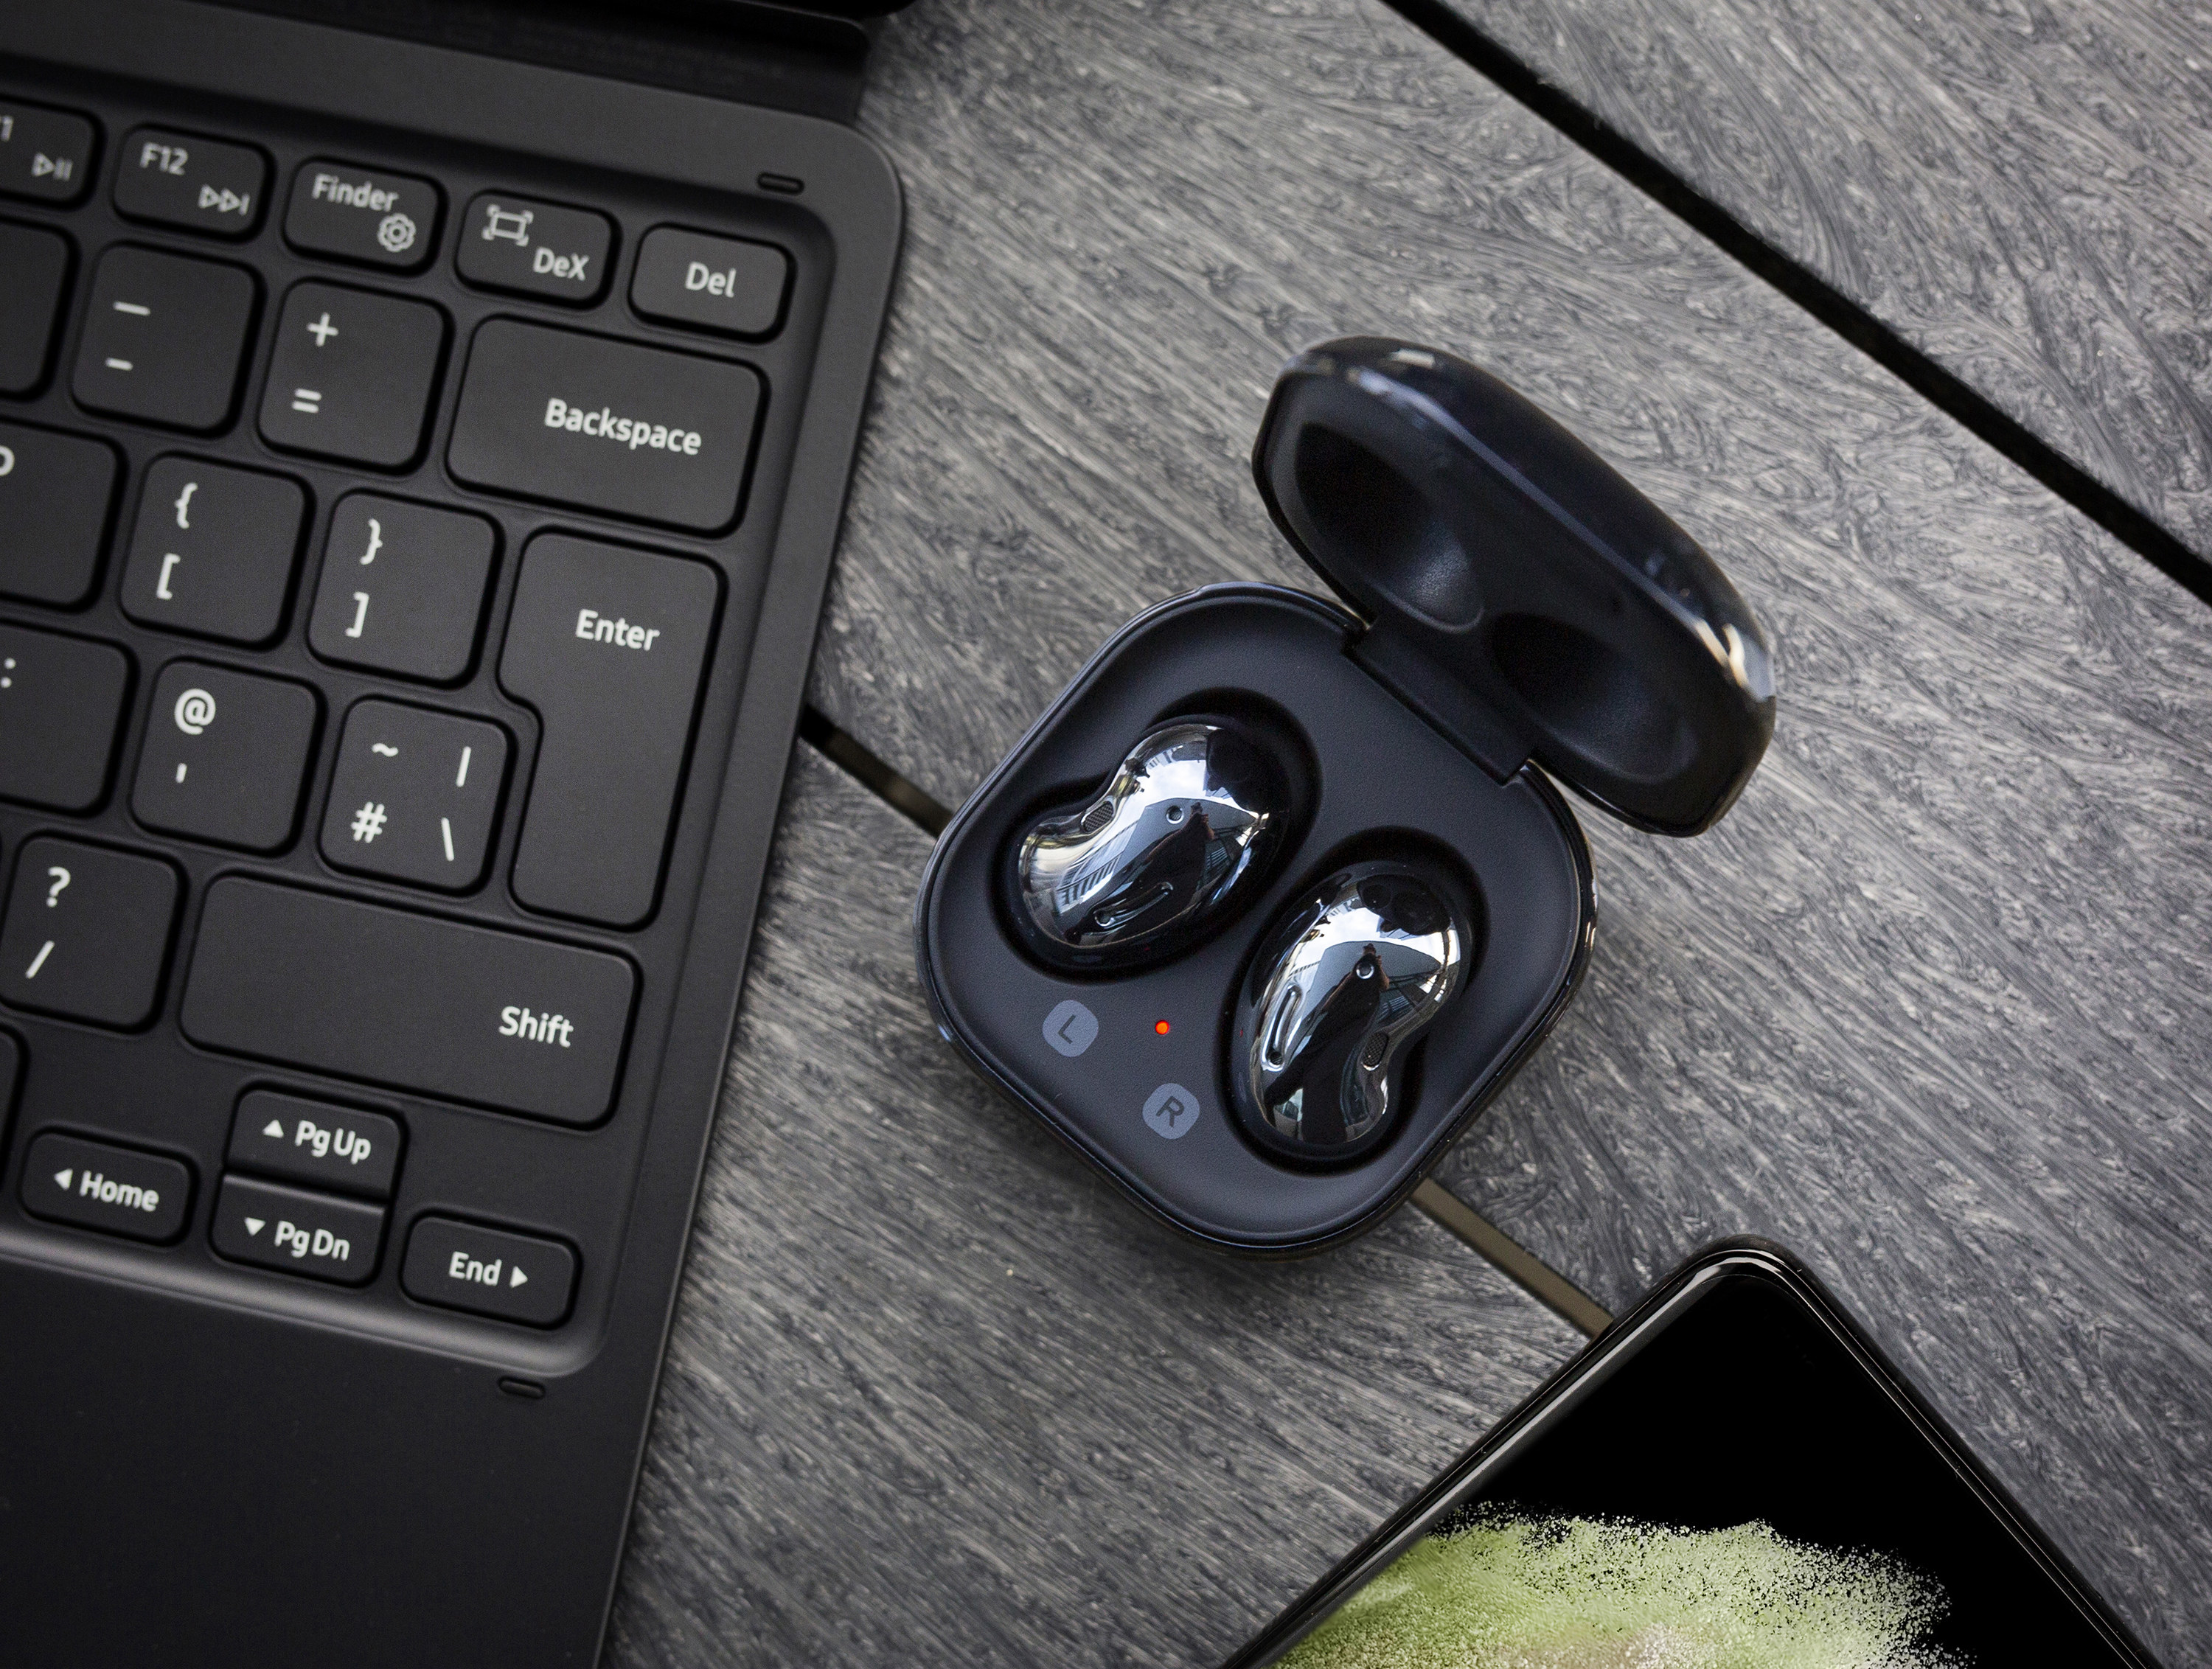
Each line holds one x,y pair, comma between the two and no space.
1173,843
1357,969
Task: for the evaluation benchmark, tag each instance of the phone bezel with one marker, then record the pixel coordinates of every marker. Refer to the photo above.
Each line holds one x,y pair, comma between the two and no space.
1605,1355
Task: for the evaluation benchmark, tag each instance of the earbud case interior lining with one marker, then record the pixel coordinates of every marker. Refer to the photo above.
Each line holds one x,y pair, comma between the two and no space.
1381,768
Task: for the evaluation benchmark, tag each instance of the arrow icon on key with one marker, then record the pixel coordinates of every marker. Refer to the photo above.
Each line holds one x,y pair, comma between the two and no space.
63,1177
518,1277
273,1128
254,1225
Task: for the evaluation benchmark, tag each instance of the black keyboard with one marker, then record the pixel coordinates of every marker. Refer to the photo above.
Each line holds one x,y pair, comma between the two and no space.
400,639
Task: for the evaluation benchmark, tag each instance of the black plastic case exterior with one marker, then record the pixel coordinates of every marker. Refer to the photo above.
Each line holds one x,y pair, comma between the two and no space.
1514,603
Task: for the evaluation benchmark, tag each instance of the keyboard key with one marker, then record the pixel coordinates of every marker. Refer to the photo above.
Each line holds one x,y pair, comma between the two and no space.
492,1271
532,248
61,699
182,179
607,644
315,1142
45,155
450,1010
298,1232
87,932
225,757
212,551
367,215
34,267
403,588
97,1185
414,796
164,336
352,375
55,492
733,286
610,426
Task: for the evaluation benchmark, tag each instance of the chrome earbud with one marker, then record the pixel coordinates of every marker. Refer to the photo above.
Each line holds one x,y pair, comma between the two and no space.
1178,837
1357,969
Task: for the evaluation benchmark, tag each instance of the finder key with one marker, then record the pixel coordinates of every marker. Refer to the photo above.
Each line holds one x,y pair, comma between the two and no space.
606,643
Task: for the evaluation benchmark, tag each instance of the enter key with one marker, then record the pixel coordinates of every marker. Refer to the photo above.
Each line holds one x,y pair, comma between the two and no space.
607,643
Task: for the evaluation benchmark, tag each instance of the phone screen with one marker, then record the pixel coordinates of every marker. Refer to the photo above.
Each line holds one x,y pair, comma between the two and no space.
1738,1484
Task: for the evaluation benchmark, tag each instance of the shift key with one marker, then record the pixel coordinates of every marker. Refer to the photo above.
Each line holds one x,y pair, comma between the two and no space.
416,1002
607,643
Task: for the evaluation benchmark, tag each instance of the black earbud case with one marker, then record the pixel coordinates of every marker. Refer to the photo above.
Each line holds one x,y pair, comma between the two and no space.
1512,612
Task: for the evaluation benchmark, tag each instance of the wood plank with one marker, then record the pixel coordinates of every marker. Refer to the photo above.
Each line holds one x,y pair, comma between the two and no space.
2017,191
936,1396
1934,1002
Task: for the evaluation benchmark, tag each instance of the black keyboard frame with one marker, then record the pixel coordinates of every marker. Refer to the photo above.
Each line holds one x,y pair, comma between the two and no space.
314,1423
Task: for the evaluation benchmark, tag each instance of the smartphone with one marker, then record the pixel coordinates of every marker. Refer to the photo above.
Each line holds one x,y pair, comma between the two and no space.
1730,1468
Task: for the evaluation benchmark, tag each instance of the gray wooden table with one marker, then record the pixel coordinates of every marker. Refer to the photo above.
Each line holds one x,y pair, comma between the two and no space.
1933,1006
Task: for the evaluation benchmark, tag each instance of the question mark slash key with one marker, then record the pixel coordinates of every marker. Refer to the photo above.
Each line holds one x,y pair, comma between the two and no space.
86,933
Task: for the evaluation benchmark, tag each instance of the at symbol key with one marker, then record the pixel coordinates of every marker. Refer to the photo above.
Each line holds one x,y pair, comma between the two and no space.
416,795
226,753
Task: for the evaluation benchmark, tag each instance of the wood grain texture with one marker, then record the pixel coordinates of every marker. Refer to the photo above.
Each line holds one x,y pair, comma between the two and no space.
936,1396
2016,187
1933,1005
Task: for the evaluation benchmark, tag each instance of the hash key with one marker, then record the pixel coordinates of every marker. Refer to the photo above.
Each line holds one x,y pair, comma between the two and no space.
414,796
352,375
86,932
403,588
225,755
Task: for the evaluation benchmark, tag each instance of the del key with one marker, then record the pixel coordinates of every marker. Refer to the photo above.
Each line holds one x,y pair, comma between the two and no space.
607,644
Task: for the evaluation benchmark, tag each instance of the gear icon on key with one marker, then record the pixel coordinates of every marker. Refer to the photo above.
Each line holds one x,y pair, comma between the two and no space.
396,233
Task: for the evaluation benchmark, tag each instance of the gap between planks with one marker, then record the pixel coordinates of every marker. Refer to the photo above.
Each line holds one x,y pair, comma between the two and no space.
1951,394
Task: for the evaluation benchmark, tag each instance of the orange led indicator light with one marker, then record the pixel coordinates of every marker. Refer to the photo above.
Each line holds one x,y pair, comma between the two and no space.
1161,1027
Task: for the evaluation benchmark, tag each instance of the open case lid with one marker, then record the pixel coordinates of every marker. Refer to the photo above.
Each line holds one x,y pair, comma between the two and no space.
1522,596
